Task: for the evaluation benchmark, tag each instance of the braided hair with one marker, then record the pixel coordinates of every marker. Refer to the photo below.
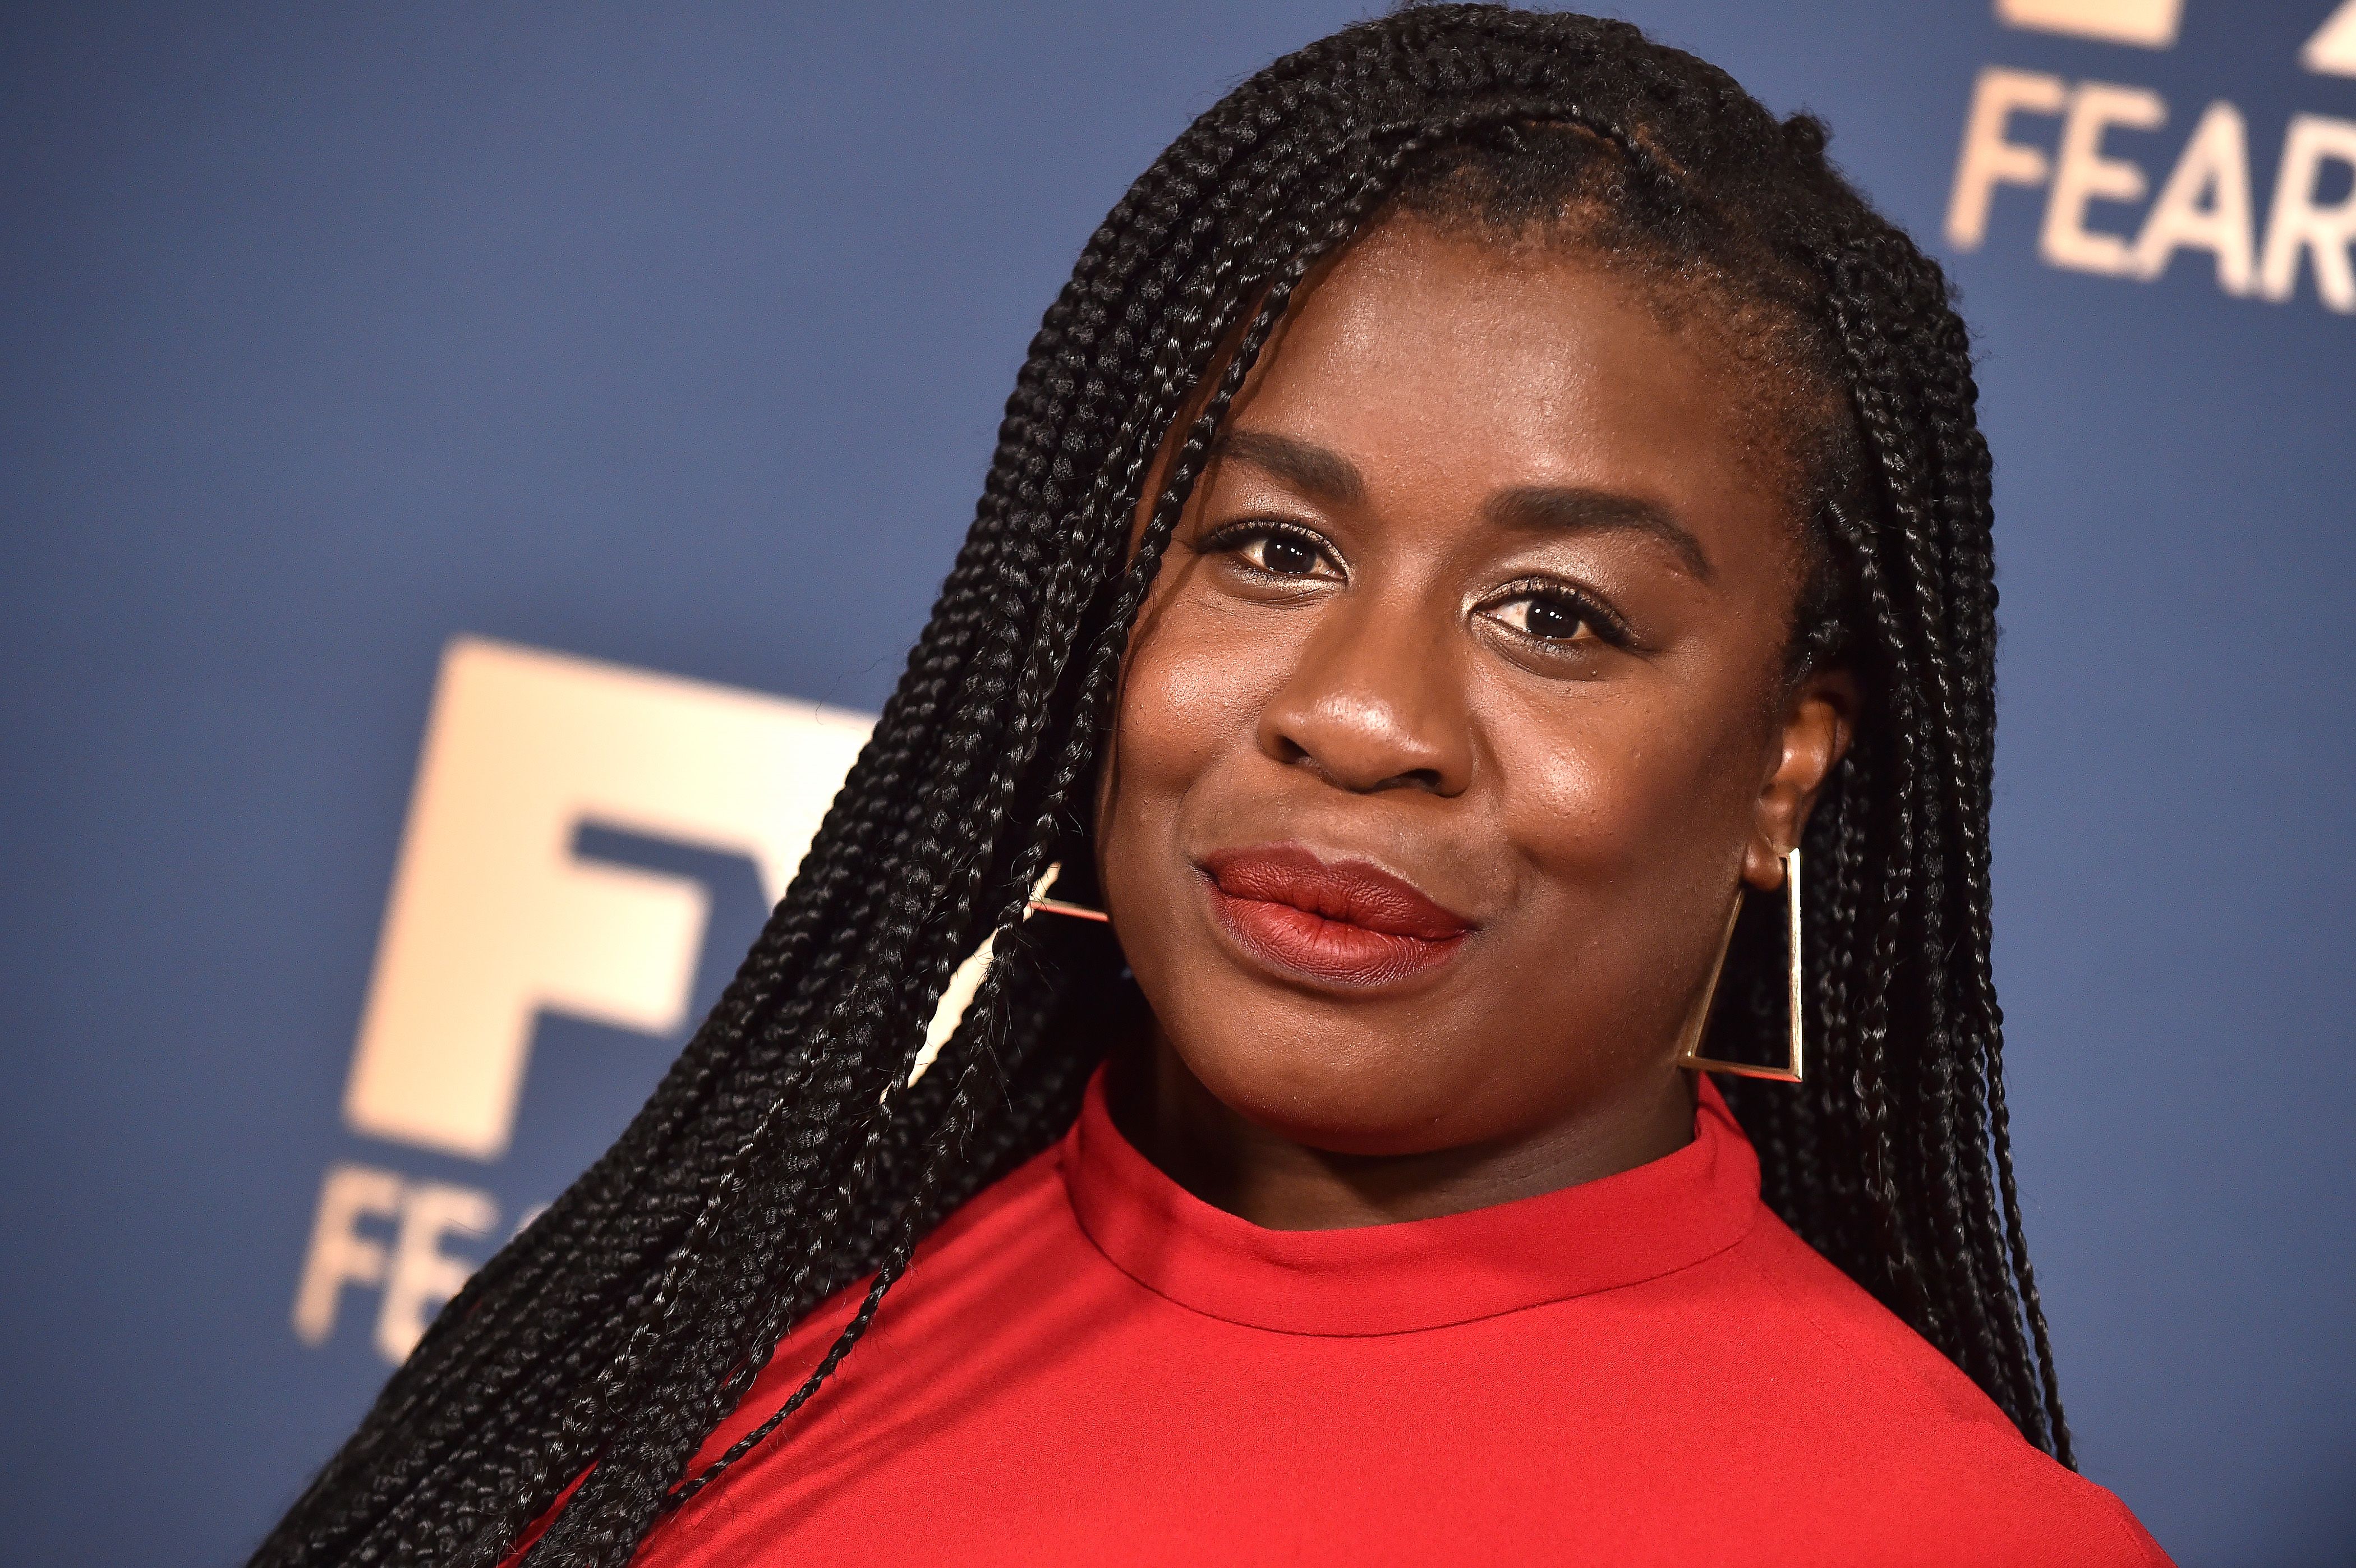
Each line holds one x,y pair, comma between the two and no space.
795,1151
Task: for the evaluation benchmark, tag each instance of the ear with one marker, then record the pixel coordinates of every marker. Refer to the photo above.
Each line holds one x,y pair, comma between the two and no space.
1815,726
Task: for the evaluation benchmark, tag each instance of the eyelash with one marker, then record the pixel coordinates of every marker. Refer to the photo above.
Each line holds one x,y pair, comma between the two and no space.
1607,627
1233,539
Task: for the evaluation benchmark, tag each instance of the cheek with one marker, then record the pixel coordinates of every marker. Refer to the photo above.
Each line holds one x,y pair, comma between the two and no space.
1609,798
1191,695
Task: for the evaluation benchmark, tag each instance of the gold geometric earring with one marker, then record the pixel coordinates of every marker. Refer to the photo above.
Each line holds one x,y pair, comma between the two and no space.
1689,1048
1046,905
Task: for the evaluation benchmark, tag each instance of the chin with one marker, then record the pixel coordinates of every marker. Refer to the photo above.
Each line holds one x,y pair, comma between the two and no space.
1327,1090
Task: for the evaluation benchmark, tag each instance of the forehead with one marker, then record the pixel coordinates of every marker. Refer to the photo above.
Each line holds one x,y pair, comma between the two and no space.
1430,359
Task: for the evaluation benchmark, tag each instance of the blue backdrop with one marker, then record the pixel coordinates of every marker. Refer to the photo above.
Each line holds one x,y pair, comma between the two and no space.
677,338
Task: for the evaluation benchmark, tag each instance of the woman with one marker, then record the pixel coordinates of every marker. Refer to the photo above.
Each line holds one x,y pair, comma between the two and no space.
1492,539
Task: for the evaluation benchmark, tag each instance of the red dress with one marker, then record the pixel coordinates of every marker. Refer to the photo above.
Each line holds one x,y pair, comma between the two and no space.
1087,1365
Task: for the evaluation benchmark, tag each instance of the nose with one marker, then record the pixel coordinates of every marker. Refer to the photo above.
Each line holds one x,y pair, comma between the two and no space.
1373,702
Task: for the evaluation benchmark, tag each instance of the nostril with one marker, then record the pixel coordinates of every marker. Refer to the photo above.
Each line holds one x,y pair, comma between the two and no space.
1361,781
1362,741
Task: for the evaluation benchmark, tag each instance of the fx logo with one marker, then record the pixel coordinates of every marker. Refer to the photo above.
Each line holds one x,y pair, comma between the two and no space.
493,919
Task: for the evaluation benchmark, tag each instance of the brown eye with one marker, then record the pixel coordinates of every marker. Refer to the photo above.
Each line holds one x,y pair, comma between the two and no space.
1551,620
1282,555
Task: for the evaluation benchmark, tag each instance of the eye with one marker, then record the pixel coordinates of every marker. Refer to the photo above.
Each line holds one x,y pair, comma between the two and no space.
1549,618
1280,554
1276,550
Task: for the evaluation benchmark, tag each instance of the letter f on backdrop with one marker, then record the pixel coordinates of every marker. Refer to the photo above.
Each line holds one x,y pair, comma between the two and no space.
493,919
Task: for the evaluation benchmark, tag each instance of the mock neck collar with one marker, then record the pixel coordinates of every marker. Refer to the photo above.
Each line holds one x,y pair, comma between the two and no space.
1417,1273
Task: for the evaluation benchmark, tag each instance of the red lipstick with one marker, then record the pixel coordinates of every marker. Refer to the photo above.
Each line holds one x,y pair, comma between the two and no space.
1343,922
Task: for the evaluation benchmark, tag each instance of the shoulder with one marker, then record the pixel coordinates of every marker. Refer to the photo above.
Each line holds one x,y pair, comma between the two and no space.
1910,1448
963,1273
1017,1199
1016,1226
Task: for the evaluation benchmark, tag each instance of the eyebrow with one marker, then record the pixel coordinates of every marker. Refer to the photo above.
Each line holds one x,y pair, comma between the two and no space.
1574,511
1319,472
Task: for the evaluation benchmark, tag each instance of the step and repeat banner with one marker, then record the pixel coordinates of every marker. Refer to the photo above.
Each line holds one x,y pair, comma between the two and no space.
470,475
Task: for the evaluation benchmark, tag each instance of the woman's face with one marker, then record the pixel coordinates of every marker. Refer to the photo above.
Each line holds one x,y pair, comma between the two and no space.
1459,709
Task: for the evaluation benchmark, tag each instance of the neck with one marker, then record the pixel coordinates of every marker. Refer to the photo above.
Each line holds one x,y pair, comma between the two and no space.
1282,1184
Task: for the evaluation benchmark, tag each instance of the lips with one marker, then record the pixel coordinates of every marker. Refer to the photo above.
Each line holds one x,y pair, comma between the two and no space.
1344,923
